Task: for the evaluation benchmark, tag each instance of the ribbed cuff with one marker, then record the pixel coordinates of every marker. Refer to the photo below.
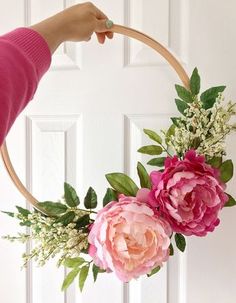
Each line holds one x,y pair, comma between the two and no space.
33,45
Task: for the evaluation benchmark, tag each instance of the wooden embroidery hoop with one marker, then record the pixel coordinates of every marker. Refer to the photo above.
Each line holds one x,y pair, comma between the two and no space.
119,29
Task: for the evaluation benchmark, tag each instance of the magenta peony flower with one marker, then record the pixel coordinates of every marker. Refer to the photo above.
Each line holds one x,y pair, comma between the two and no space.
188,194
129,239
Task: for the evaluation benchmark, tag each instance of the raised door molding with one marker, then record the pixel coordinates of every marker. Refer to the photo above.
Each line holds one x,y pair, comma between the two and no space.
164,20
54,155
170,282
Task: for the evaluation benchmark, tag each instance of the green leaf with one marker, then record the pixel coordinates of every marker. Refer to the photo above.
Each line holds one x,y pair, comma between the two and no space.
157,162
73,262
110,195
96,271
53,208
209,103
24,212
26,223
83,276
66,219
90,200
231,202
184,94
143,176
209,97
153,135
8,213
180,242
151,150
171,249
154,271
70,278
215,162
122,184
175,121
195,82
83,221
226,171
70,195
182,106
170,132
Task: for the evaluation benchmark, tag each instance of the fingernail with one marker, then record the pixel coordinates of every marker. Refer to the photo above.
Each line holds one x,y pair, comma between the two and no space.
109,24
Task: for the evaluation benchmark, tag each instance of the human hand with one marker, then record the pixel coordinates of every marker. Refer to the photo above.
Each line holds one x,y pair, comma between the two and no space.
76,23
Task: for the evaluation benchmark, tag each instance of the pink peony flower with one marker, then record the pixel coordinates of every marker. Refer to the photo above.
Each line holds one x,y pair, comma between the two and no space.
189,194
129,239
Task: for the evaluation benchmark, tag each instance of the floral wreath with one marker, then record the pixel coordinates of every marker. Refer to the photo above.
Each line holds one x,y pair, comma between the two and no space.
135,232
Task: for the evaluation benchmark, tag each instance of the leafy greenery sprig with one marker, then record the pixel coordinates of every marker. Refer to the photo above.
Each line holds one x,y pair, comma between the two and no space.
205,107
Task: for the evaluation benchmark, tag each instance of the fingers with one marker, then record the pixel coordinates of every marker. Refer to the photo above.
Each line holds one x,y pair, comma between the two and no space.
101,30
103,25
101,37
109,35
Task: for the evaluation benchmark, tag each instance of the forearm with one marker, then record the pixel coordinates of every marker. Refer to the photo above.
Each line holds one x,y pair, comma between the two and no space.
51,30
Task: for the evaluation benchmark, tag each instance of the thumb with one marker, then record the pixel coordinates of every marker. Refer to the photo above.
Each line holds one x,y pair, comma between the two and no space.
103,25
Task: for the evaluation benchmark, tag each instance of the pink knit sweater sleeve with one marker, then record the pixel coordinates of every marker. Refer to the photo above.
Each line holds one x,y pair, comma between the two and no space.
24,58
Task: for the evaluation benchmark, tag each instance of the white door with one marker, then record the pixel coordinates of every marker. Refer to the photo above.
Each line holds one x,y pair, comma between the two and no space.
86,120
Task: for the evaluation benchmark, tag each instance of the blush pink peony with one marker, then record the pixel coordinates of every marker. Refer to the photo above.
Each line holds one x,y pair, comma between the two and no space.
128,238
188,194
